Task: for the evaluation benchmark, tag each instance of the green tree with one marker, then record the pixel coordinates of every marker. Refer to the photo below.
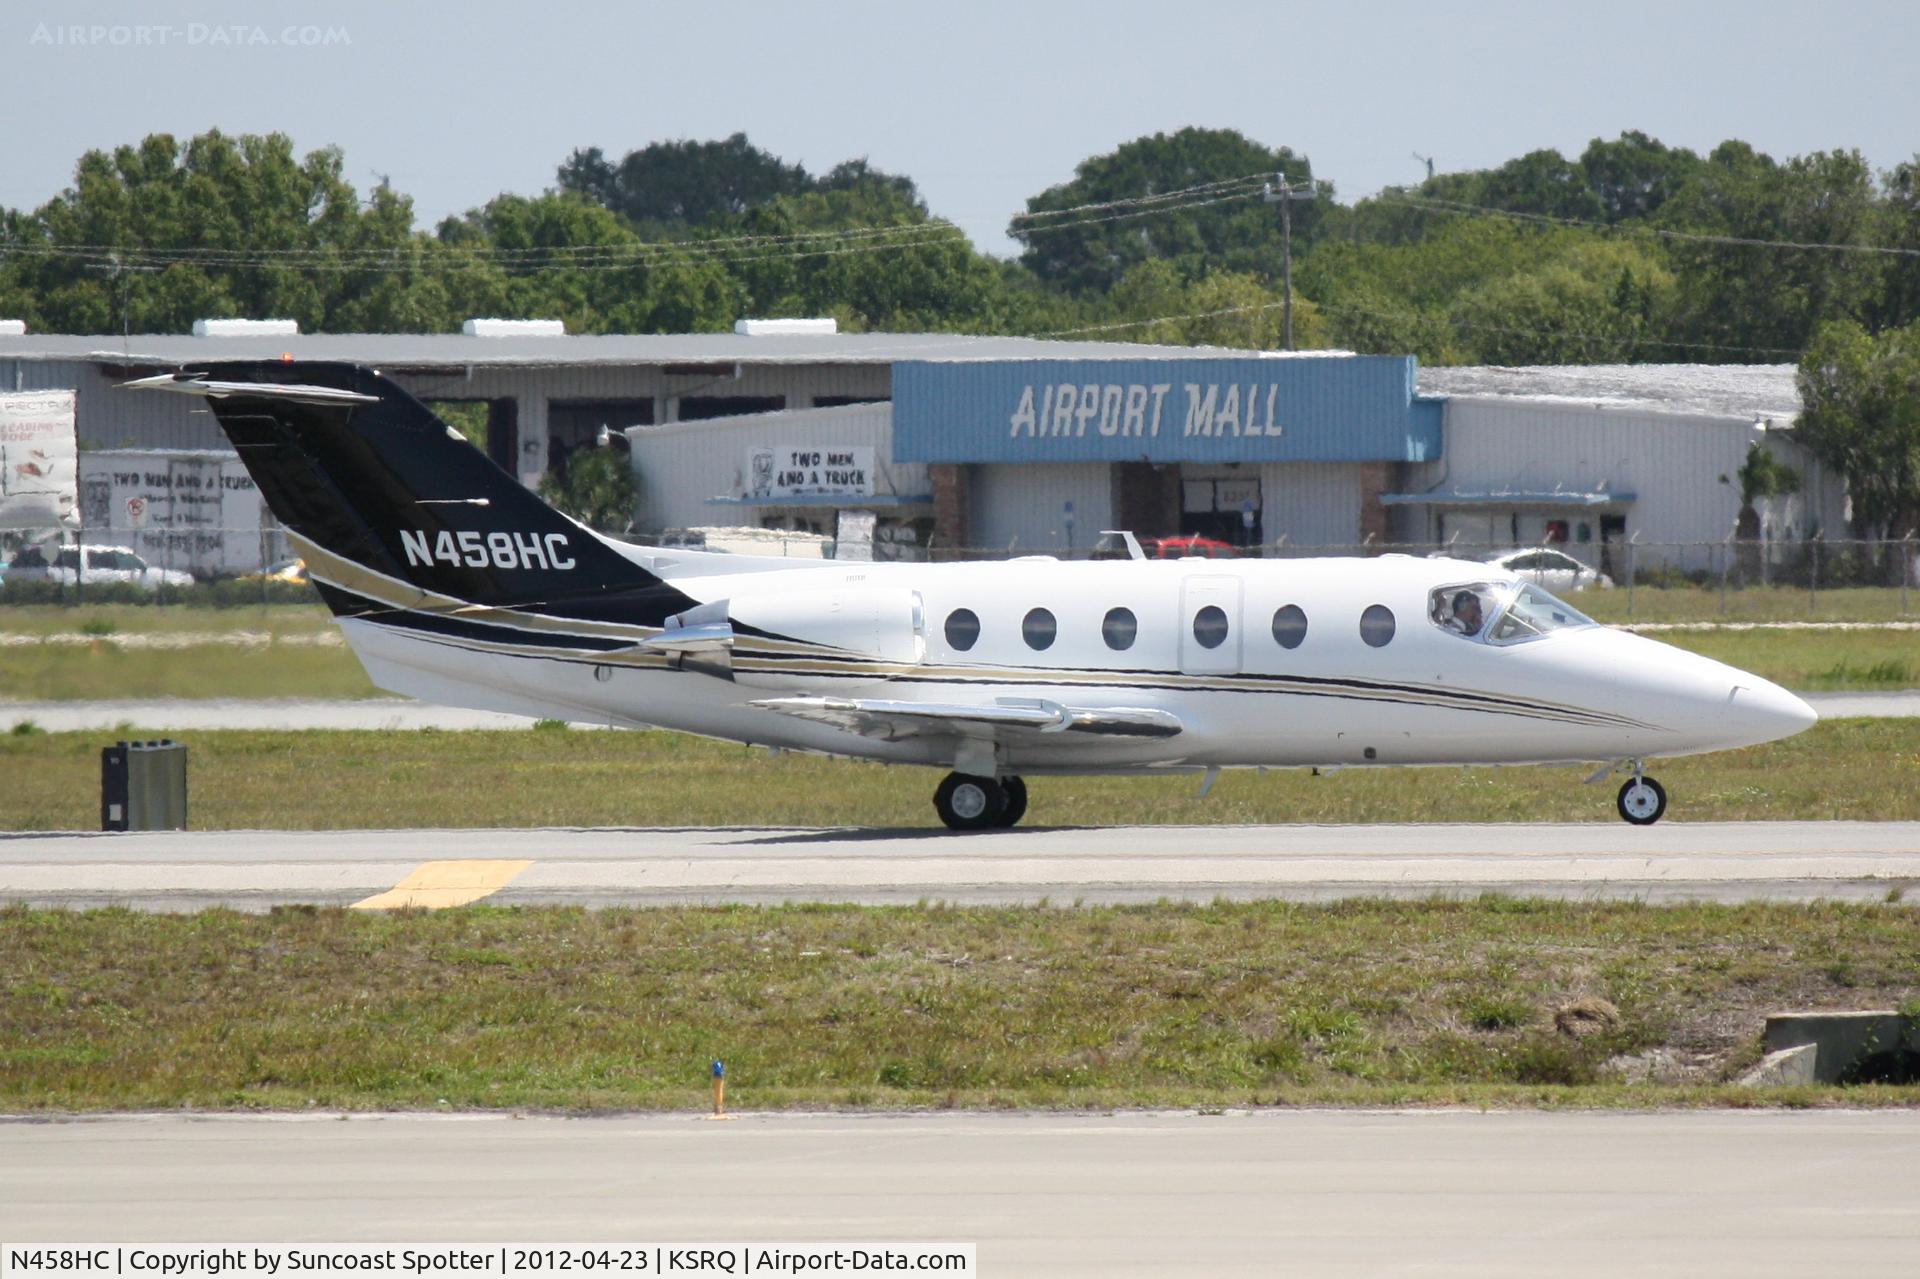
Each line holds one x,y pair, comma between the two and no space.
1860,415
1899,299
565,258
1592,302
154,236
1224,308
1761,476
682,183
1233,230
1633,175
595,487
1749,301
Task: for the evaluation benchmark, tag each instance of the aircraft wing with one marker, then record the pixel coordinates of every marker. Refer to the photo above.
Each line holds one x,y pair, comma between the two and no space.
891,720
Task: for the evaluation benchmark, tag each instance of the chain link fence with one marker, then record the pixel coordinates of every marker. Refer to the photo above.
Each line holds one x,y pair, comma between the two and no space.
1875,578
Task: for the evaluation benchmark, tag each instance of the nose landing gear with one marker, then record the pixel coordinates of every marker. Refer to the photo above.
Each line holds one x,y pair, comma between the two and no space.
968,802
1642,800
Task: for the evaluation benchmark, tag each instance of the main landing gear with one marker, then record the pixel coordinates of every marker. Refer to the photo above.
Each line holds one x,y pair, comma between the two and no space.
967,802
1642,800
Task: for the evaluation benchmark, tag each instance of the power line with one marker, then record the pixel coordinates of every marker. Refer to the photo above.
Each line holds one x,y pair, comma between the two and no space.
1434,204
621,255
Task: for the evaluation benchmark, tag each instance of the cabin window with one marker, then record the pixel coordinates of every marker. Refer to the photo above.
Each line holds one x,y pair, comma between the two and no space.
1119,628
1038,628
963,629
1289,626
1210,626
1376,626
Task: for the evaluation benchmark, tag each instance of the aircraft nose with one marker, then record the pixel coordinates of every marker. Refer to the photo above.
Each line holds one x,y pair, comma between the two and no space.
1766,712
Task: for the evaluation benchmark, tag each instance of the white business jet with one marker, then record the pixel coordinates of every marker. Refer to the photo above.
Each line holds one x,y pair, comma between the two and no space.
456,585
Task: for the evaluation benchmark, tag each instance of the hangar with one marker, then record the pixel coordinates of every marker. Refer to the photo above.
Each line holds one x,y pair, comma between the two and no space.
949,444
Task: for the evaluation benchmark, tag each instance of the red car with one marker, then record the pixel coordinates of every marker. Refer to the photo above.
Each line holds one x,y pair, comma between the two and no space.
1179,548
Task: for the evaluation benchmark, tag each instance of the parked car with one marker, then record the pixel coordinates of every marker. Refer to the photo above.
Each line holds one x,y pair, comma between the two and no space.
102,565
1186,547
1544,566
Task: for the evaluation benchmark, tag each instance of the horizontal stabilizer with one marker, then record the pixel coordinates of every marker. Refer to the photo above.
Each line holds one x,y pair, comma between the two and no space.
889,719
188,384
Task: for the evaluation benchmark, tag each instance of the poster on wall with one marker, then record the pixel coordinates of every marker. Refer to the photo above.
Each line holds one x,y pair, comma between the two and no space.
837,471
39,487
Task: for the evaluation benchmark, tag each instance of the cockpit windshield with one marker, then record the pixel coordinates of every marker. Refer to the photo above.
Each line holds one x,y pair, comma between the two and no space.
1501,612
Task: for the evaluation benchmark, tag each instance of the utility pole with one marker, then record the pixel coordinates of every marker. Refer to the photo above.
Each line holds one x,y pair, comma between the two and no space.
121,275
1282,193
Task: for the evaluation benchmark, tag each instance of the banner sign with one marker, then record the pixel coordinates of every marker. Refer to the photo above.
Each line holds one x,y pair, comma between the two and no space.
39,485
198,512
1337,408
837,471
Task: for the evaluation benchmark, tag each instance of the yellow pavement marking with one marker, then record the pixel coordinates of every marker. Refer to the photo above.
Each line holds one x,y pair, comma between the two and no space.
438,885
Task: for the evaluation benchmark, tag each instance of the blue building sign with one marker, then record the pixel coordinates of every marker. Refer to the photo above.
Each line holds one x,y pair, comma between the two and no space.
1303,409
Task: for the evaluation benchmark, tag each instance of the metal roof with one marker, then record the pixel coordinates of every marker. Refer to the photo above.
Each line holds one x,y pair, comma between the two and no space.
458,350
1709,390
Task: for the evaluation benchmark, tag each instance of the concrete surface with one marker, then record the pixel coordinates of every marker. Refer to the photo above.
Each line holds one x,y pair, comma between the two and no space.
1843,1038
183,714
1785,1067
1272,1193
1673,861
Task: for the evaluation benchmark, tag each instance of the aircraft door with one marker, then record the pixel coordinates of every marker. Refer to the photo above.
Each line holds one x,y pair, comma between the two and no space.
1209,624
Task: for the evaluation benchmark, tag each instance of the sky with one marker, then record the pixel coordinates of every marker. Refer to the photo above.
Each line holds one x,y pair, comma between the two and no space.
983,103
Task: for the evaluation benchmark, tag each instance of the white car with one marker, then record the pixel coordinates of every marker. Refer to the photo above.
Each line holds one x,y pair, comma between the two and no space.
1543,566
103,565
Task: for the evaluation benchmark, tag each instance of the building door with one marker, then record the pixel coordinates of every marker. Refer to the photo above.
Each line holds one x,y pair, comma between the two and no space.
1613,531
1209,624
1226,510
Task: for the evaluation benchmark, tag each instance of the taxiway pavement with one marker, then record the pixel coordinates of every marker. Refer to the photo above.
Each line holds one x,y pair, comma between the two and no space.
255,870
1263,1193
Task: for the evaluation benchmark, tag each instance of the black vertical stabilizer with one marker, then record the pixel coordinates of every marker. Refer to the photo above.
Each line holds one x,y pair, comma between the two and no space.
353,463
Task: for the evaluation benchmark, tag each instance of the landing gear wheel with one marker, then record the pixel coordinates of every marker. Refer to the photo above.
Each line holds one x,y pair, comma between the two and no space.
1642,801
965,802
1016,801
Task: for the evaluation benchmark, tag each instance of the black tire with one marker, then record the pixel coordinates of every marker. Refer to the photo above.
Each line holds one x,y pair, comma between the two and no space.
965,802
1016,801
1642,807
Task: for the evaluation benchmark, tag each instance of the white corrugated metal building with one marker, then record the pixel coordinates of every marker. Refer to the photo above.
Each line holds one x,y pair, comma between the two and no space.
1598,453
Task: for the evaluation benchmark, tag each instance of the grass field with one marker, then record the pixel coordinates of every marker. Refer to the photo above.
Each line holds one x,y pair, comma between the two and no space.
1364,1003
1753,604
1857,769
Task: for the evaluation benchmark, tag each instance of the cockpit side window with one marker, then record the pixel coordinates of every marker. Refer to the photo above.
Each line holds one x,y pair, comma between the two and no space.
1500,612
1463,609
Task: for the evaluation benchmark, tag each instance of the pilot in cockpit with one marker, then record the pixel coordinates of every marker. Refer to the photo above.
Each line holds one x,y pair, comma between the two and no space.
1466,615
